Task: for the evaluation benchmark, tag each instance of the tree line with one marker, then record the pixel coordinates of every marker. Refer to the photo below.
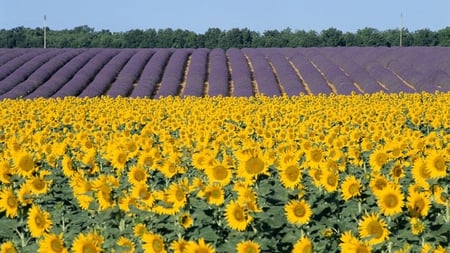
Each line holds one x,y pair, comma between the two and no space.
87,37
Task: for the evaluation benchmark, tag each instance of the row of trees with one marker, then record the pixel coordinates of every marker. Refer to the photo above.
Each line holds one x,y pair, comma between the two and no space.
85,36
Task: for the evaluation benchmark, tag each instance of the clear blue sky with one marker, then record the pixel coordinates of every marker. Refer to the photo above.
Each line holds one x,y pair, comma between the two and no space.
199,15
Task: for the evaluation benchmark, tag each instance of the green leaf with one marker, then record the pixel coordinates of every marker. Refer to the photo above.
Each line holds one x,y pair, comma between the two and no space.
208,234
7,226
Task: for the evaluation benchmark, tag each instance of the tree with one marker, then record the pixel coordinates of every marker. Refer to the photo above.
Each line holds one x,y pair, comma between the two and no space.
332,37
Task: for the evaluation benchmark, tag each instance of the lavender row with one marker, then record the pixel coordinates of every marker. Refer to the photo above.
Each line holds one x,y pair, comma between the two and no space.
64,74
41,75
287,76
173,74
311,76
196,76
152,73
333,74
24,71
218,73
240,73
265,78
107,74
129,74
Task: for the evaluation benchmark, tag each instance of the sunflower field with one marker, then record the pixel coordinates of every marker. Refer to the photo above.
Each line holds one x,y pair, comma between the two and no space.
307,173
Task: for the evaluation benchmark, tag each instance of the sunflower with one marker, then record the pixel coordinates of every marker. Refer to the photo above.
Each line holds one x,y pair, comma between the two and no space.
218,173
420,171
329,180
351,244
179,246
390,200
200,246
247,247
144,197
153,243
378,182
298,212
378,159
290,173
52,243
24,163
236,216
5,172
440,196
137,175
67,166
397,171
417,226
87,243
39,221
24,195
436,164
247,198
418,204
118,159
314,157
373,228
303,245
351,187
185,220
126,245
252,162
177,194
140,229
8,247
213,194
9,202
38,185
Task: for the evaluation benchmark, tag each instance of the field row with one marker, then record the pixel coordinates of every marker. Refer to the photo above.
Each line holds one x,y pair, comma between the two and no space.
153,73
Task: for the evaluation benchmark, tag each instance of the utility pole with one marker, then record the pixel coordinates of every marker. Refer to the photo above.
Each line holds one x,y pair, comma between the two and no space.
401,29
45,31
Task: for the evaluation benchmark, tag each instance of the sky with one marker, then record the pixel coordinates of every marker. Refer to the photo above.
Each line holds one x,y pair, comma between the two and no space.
199,15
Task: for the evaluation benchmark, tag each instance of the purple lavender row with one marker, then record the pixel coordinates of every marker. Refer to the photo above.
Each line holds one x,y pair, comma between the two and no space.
357,73
196,76
152,73
412,76
86,74
42,74
218,73
265,78
341,82
108,74
130,74
386,78
291,83
240,73
173,74
25,70
8,68
8,55
63,75
311,76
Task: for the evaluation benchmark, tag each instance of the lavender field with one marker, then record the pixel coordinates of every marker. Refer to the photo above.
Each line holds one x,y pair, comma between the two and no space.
152,73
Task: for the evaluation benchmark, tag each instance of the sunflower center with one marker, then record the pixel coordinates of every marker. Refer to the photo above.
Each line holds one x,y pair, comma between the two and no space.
292,173
250,249
375,229
122,158
239,214
254,165
316,155
55,245
11,201
397,171
144,194
179,195
380,184
26,163
215,193
353,189
299,211
362,249
89,248
202,250
381,158
391,200
220,172
139,175
39,221
424,173
148,161
332,180
419,205
439,164
38,184
157,245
